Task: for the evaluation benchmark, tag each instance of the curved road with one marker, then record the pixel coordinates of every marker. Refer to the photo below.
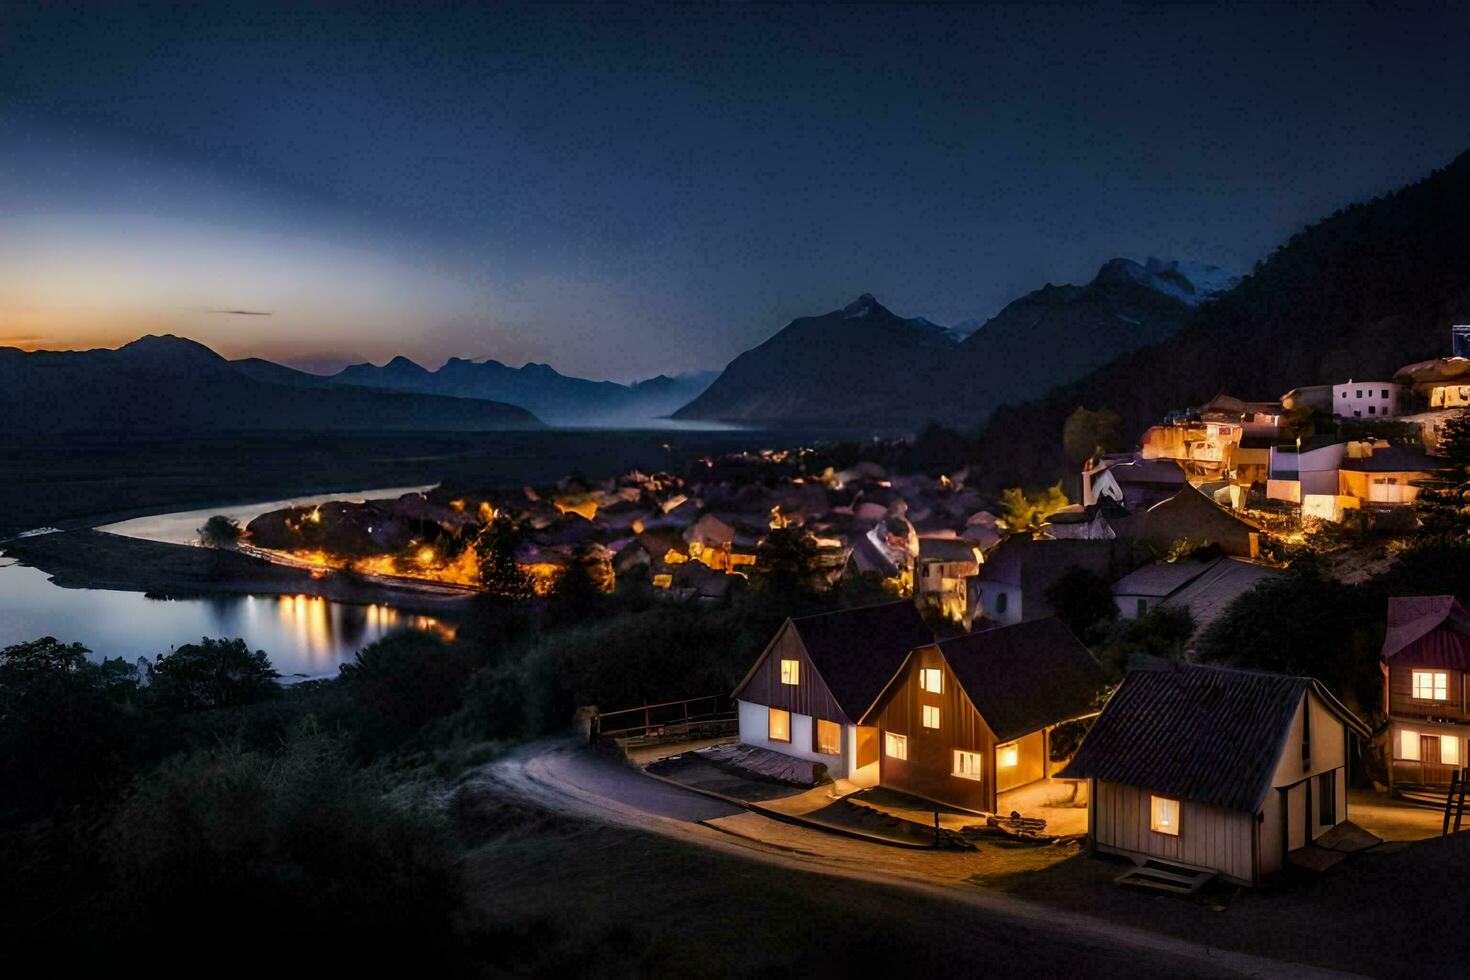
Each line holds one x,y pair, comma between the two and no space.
562,776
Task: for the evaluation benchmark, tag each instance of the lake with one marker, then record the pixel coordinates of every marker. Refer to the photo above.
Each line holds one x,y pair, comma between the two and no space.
303,635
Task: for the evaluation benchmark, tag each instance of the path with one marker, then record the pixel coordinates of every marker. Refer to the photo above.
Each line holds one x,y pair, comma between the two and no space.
561,776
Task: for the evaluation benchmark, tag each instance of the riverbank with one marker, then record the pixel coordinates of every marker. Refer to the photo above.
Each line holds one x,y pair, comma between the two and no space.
88,559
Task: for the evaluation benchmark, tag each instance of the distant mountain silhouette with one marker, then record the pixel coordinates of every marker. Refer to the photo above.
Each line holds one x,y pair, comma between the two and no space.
170,384
1359,294
555,397
863,364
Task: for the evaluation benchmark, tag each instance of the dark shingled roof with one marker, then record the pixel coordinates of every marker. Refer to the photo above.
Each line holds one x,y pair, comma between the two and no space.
1209,734
857,651
1393,459
1024,677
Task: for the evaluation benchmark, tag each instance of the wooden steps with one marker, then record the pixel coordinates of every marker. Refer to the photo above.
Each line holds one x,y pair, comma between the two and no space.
1162,876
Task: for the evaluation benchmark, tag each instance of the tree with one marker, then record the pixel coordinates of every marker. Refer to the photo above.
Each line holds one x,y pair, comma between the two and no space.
576,596
220,532
1086,434
1443,504
786,562
402,682
1083,600
1025,510
495,550
1162,632
211,674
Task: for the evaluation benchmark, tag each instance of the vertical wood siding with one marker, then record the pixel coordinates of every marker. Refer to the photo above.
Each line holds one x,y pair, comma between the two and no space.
929,769
1401,700
809,697
1209,836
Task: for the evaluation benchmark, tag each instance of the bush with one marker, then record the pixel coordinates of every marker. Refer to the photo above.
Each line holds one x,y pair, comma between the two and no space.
211,674
401,683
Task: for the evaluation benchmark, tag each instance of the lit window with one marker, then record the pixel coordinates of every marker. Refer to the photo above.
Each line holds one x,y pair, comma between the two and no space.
967,764
778,725
1449,750
895,746
1409,746
931,716
1431,685
1164,815
828,738
932,679
1007,755
662,581
791,672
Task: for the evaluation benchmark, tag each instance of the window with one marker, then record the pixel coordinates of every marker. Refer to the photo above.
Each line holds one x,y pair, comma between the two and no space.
1372,410
1000,603
1163,815
1431,685
1327,799
778,724
791,672
1344,392
1409,746
1007,755
895,746
826,737
931,679
931,716
967,764
1449,750
1360,393
1385,392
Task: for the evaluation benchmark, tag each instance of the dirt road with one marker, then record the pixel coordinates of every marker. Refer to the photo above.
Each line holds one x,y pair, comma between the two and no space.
561,776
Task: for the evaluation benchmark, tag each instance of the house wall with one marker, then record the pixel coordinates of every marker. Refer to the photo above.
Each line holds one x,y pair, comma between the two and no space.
1367,399
1449,396
754,730
929,770
1382,488
1127,604
985,601
1403,704
1030,763
1419,771
1209,837
808,697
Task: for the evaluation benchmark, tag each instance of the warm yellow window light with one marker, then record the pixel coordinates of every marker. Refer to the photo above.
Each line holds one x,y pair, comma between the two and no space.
829,737
966,764
1007,755
778,725
931,716
1409,746
1449,750
1164,815
791,672
895,746
663,581
1431,685
932,679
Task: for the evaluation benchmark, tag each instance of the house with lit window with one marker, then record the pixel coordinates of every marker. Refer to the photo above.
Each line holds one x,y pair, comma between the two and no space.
967,719
808,691
1425,659
1215,770
942,574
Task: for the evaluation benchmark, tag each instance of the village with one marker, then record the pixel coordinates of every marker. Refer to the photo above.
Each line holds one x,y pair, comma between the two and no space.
953,703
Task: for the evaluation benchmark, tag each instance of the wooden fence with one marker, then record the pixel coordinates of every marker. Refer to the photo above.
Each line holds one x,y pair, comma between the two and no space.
712,716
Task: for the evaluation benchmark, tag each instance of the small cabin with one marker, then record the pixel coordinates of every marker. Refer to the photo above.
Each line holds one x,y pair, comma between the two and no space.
1217,770
1426,689
809,689
967,719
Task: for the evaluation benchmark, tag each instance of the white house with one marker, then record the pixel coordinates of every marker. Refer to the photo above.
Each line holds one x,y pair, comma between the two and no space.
1216,770
1369,399
818,676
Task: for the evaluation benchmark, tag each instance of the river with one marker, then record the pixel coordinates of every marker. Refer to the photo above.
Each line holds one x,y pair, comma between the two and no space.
304,636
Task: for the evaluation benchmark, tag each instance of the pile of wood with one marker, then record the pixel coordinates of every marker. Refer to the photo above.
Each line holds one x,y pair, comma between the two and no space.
1014,827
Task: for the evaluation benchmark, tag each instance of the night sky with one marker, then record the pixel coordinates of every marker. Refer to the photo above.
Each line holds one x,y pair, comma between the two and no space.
623,191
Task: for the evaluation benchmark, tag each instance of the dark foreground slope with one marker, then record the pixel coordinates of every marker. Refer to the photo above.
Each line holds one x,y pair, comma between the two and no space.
171,385
1363,292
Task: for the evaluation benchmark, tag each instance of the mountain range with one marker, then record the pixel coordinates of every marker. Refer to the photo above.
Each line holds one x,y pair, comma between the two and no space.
864,362
554,397
167,384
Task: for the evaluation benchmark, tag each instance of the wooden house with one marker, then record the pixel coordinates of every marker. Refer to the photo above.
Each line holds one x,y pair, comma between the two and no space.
964,720
1426,689
808,691
943,571
1212,769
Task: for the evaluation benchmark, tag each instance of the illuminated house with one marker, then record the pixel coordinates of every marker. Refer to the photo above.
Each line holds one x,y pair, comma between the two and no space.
942,575
1216,770
807,692
967,719
1426,657
1369,399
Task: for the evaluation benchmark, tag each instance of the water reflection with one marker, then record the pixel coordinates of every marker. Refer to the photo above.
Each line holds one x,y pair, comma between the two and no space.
304,635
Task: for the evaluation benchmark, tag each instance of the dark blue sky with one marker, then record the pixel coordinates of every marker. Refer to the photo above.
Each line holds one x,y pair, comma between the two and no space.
622,191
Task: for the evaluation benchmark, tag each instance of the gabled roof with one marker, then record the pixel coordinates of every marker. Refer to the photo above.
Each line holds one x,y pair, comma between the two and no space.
1208,734
946,549
1024,677
857,651
1393,459
1160,471
1429,630
1159,579
1221,583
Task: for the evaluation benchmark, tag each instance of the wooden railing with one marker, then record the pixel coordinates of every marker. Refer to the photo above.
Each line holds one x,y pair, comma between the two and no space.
710,716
